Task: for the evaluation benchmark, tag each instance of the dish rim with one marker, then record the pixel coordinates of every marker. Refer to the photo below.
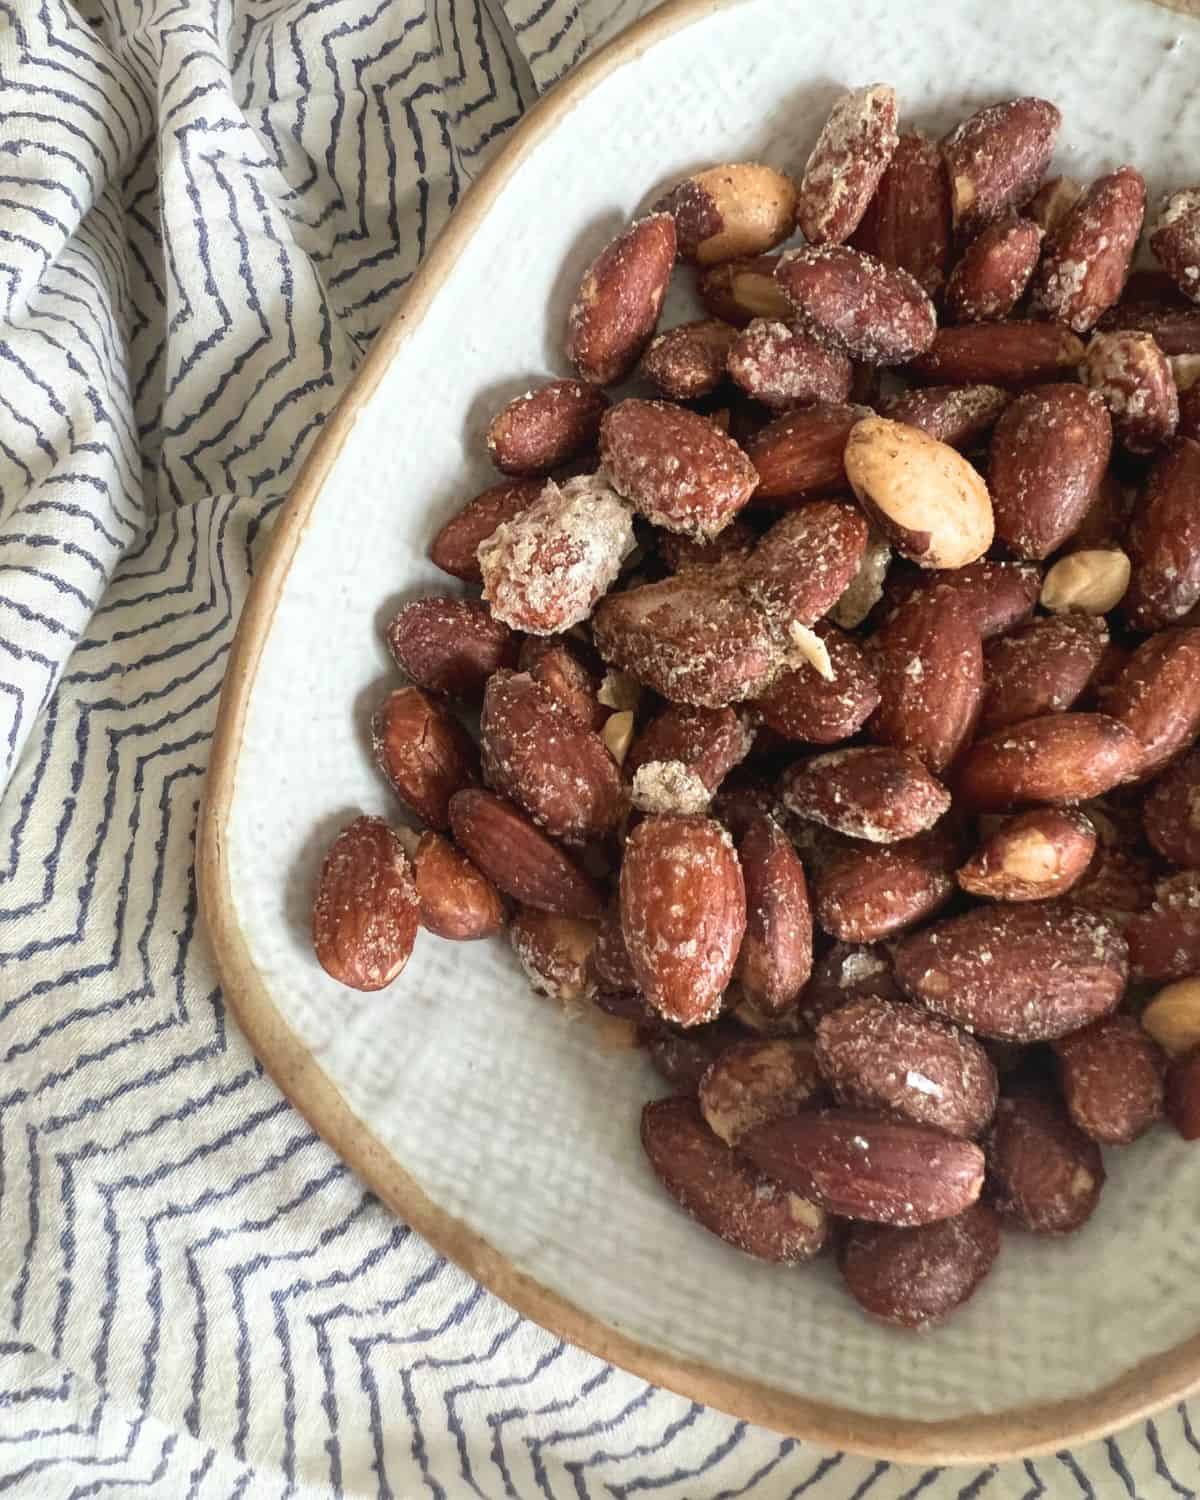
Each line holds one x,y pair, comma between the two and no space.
1147,1387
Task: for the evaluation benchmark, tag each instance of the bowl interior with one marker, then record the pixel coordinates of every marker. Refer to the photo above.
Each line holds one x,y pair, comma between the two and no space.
512,1118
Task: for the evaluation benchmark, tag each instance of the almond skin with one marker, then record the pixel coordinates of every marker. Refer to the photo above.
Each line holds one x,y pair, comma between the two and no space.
545,427
907,223
424,752
538,754
803,705
862,1165
1131,374
683,914
674,467
731,211
450,646
1041,668
756,1081
364,917
961,415
804,563
872,311
1048,455
995,160
1164,541
990,279
844,169
1043,1172
801,453
1013,354
456,901
1062,759
1164,940
883,1054
872,792
1039,854
1086,258
783,366
923,495
865,892
1017,973
1157,696
613,316
724,1192
1171,812
1112,1080
914,1277
518,858
454,548
1176,330
930,661
775,959
689,361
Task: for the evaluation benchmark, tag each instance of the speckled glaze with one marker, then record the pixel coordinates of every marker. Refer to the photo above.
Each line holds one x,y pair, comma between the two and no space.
511,1119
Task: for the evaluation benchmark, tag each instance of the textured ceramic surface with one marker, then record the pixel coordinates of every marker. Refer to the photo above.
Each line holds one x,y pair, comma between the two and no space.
517,1122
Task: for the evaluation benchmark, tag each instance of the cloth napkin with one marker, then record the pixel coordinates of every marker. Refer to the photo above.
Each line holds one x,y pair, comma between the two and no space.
207,210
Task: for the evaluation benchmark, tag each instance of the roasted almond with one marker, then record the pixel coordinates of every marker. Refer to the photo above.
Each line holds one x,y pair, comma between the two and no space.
995,596
803,564
756,1081
1048,455
1157,696
801,453
1018,973
614,312
1062,759
995,160
995,268
776,954
1116,883
544,570
683,913
1176,330
735,542
1038,854
1183,1094
885,1054
424,752
851,155
518,858
364,916
922,494
1131,374
681,1058
545,427
871,792
739,290
455,900
930,662
846,972
674,467
689,361
1093,581
863,1165
1041,668
1176,240
538,755
557,667
961,415
735,210
454,548
865,892
907,222
783,366
1112,1079
694,638
804,705
873,311
682,756
914,1277
1086,257
1043,1172
553,952
1015,353
449,645
1172,1018
724,1192
1164,541
1171,812
1053,201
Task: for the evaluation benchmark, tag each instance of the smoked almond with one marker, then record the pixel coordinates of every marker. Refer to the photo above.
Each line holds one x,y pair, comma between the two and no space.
756,1081
448,645
364,916
872,311
546,427
616,307
907,223
518,858
1043,1172
865,892
1041,668
424,752
1034,856
995,160
1164,541
870,792
914,1277
1062,759
775,959
844,169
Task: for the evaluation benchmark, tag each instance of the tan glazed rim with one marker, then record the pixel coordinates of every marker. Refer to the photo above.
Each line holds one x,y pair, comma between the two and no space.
1147,1387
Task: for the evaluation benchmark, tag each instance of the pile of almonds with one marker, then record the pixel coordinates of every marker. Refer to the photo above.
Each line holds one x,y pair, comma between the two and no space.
837,696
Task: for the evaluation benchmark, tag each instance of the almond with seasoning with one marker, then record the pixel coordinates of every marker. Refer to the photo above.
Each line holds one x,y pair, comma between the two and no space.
990,278
1112,1080
729,212
682,756
869,792
756,1081
914,1277
872,311
424,752
553,951
865,892
1043,667
804,705
995,160
1164,540
364,916
556,665
1164,939
689,361
1015,353
1175,240
456,901
995,596
886,1054
1087,256
518,858
449,645
846,164
804,563
546,427
863,1165
1157,696
801,453
782,366
907,222
1053,201
616,308
724,1192
454,548
1062,759
683,913
961,415
775,959
1039,854
1043,1172
736,542
1025,973
1131,373
845,972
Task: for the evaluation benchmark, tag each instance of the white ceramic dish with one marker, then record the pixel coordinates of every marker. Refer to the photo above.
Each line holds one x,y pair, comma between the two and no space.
504,1133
